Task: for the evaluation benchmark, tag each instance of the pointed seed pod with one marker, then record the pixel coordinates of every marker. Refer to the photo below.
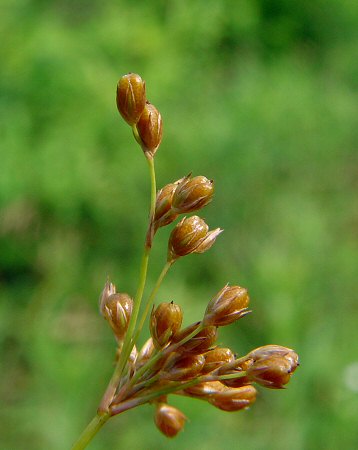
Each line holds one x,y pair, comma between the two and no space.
228,305
118,310
192,194
131,97
186,236
150,128
184,368
216,358
234,399
169,420
273,372
165,321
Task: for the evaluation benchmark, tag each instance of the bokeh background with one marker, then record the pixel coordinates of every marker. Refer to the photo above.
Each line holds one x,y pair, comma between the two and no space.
260,95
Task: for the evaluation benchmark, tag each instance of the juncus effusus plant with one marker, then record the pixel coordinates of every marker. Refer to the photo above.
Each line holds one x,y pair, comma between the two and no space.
175,359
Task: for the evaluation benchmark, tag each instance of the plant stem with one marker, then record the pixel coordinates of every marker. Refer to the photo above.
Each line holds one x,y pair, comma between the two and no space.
128,341
90,431
151,298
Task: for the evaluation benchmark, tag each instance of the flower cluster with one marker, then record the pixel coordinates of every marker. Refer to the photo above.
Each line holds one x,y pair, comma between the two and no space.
175,359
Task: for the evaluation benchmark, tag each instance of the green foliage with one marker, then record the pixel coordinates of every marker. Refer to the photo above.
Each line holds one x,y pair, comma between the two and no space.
258,95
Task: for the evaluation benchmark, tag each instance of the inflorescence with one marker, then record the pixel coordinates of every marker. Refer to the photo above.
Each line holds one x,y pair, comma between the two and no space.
175,360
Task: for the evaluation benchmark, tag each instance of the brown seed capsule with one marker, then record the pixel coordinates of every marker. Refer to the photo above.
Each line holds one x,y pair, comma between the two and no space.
216,358
131,97
186,236
268,351
234,399
200,343
118,310
165,321
150,129
169,419
163,212
164,200
184,368
228,305
273,372
205,389
192,194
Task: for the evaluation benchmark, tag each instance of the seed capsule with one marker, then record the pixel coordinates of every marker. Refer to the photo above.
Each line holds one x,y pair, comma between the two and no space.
272,350
118,310
216,358
165,321
234,399
186,236
205,390
229,305
150,129
169,420
273,372
192,194
163,212
131,97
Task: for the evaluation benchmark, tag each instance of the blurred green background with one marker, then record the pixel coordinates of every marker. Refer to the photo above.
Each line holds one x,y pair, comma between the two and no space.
259,95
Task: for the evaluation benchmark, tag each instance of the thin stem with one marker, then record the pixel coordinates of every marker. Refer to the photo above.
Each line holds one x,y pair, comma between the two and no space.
128,340
153,187
151,298
90,431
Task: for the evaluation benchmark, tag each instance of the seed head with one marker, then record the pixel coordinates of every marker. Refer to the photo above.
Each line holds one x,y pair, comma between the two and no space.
191,235
165,321
205,390
186,236
163,212
118,310
228,305
234,399
150,129
216,358
192,194
169,419
273,372
131,97
272,350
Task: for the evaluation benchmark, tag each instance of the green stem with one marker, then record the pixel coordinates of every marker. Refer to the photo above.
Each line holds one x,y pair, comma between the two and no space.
90,431
128,340
151,298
